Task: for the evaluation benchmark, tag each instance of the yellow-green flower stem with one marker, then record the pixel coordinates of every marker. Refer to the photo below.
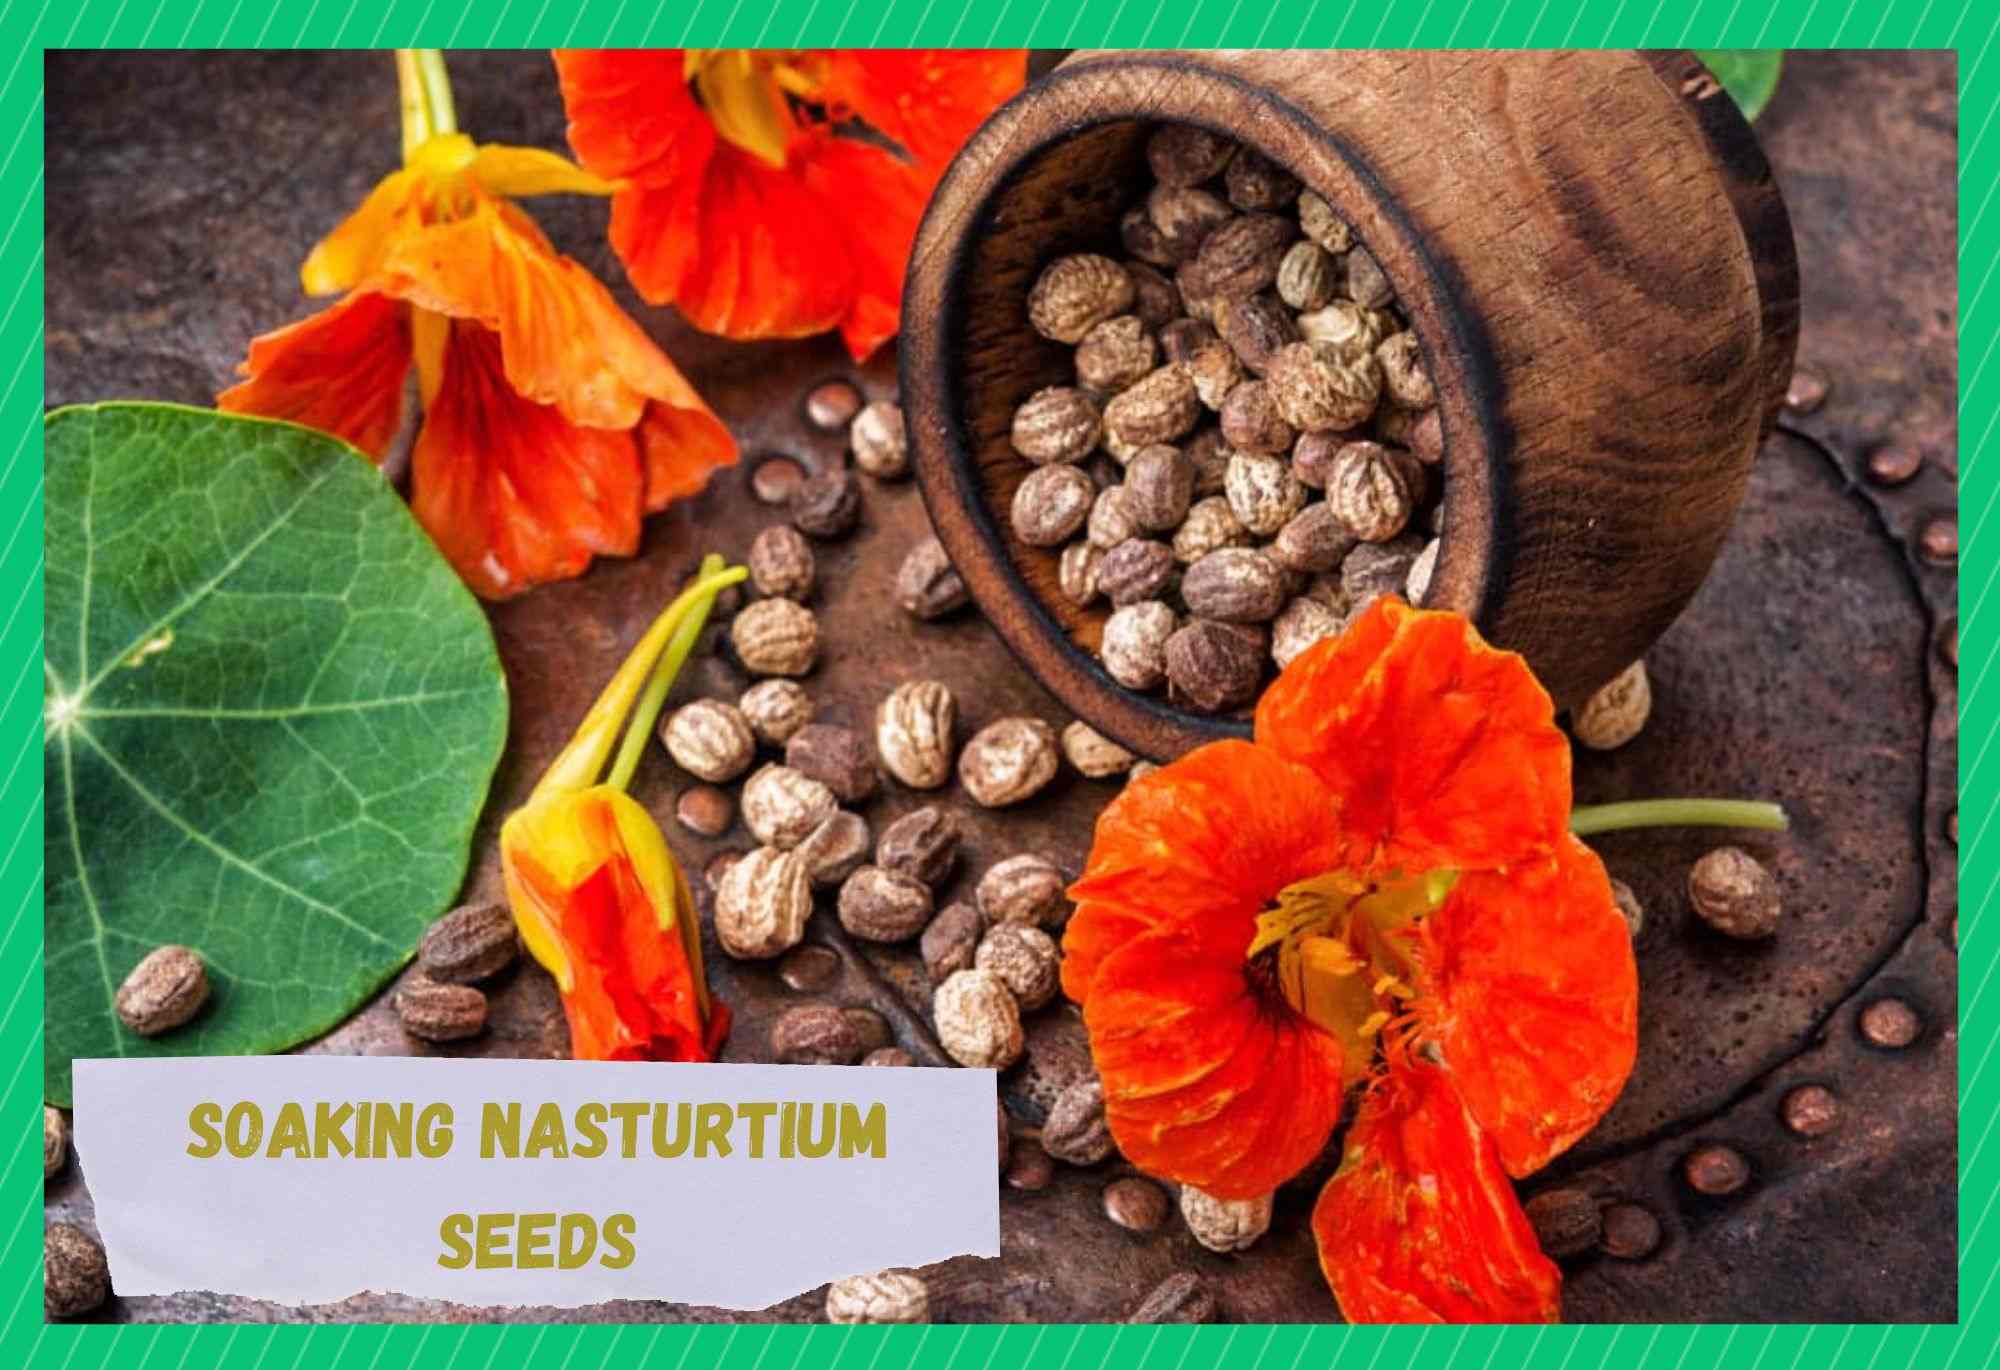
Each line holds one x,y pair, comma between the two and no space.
647,710
1678,813
426,97
579,764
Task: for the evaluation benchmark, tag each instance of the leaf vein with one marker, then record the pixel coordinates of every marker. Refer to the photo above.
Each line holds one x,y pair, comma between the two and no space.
220,852
200,592
229,713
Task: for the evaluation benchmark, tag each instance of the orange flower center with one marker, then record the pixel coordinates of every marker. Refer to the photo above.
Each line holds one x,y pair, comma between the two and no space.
445,190
1335,948
753,95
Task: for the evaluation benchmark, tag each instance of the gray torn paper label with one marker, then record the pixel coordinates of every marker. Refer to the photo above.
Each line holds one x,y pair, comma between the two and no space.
305,1179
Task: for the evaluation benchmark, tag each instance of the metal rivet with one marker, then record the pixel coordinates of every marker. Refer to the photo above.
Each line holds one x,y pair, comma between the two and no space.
1893,463
1630,1232
1811,1110
832,405
1890,1024
808,967
1135,1204
705,810
1807,391
1715,1170
1937,543
775,479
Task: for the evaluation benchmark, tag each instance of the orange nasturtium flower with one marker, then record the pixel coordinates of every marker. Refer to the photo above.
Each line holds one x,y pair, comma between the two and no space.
598,898
775,193
1381,888
551,422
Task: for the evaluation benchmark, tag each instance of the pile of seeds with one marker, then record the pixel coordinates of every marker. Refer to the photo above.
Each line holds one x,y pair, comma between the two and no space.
1251,447
805,783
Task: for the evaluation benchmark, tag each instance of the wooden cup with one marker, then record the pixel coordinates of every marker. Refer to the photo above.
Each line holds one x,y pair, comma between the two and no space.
1588,245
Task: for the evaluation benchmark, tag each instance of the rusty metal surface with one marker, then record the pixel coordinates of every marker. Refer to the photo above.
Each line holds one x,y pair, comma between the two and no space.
1806,670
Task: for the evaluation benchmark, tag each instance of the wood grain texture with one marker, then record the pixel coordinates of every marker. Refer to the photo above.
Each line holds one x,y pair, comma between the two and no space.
1591,250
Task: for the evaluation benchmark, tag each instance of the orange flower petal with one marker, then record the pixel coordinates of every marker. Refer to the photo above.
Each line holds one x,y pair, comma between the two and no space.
1212,837
1443,750
564,339
340,371
740,247
1420,1223
928,100
511,491
679,448
878,202
349,255
632,995
1531,989
768,256
749,250
1203,1082
631,114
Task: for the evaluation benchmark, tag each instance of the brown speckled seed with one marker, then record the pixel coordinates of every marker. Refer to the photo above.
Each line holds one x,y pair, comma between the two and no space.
1631,1233
1890,1024
1565,1220
1734,893
1135,1204
1811,1110
1715,1170
1180,1298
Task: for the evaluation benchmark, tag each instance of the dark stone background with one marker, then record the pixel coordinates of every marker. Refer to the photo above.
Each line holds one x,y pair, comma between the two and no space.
183,190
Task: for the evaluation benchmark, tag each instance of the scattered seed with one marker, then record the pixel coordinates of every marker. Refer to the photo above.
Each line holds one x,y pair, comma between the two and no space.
440,1013
75,1276
1566,1221
1734,894
473,942
55,1140
1180,1298
168,987
1629,908
827,506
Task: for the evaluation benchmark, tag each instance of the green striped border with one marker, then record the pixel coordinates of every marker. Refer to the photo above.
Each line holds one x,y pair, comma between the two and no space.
1130,23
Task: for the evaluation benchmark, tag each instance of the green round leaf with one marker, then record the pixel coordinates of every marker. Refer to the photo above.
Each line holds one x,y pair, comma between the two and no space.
271,714
1750,75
